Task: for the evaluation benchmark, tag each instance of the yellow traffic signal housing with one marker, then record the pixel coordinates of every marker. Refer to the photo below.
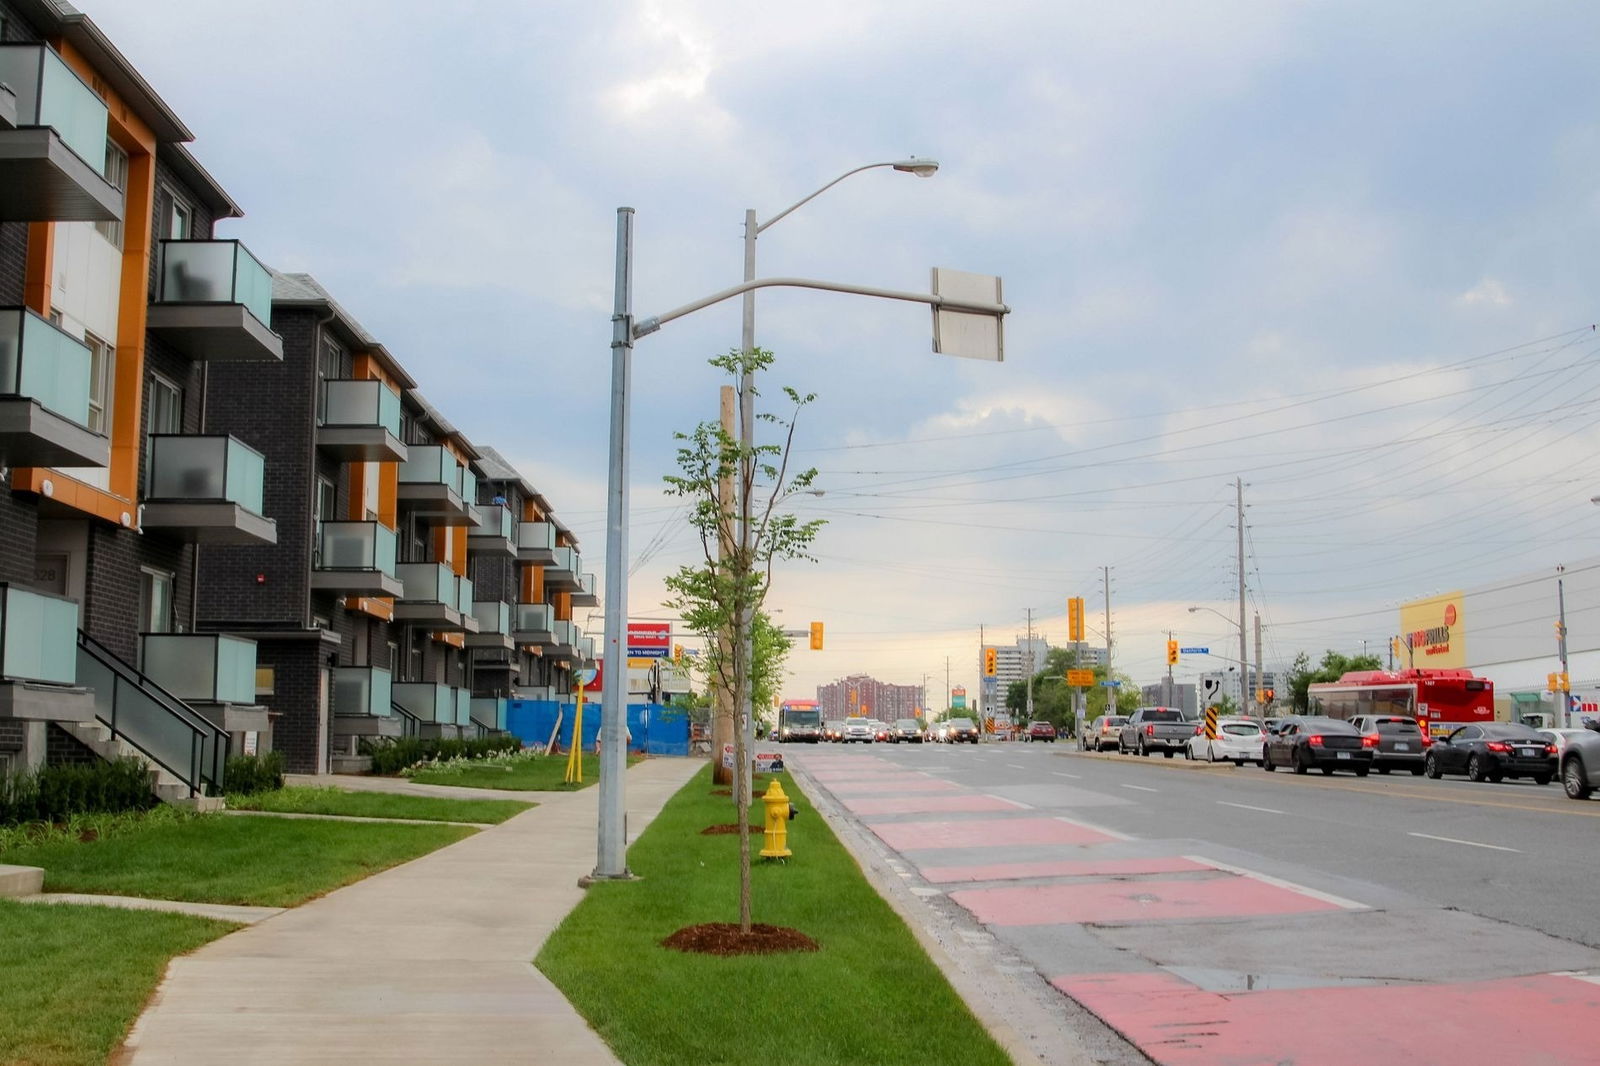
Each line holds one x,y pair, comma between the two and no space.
1552,682
1566,682
1075,618
816,636
677,653
1172,653
989,657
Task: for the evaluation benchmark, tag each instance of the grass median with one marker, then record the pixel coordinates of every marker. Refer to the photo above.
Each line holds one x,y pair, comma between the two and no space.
523,773
301,800
73,979
216,858
870,994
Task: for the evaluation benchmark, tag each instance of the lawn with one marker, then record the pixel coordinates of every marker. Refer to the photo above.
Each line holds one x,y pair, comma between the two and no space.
298,800
216,858
869,995
535,773
73,979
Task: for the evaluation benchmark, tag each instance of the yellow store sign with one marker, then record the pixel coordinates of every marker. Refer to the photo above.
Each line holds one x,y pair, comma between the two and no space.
1431,633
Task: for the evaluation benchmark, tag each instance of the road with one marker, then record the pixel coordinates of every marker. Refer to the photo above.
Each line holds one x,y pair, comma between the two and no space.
1214,914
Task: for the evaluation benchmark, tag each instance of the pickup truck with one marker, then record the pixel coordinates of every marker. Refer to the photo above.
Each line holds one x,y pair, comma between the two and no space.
1162,729
1580,764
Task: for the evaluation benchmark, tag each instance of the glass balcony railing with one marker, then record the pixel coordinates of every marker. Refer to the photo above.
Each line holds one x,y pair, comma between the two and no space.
206,469
586,648
361,403
536,692
202,667
362,690
494,520
50,93
566,633
38,637
489,712
464,595
429,583
494,616
429,464
214,272
536,537
533,618
462,698
435,703
356,546
566,560
38,361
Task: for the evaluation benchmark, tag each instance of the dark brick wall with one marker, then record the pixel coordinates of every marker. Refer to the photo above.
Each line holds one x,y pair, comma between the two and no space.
111,590
12,735
295,699
61,748
13,235
19,528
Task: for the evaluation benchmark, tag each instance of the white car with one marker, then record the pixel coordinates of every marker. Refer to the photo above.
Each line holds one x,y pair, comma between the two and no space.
1558,737
1239,740
859,729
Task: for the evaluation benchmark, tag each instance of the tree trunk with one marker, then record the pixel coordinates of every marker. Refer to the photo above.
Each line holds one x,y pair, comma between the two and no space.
722,709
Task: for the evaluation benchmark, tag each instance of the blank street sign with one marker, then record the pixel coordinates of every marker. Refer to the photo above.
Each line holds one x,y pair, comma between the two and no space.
969,334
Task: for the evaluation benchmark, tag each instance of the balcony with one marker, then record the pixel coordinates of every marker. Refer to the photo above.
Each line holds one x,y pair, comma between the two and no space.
362,692
435,703
495,533
44,395
361,422
489,712
536,543
567,636
356,559
434,596
214,302
201,667
584,595
38,637
494,625
534,624
540,693
53,155
562,575
206,489
436,487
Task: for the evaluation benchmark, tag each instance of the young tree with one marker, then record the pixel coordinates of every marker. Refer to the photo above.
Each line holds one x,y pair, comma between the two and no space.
719,596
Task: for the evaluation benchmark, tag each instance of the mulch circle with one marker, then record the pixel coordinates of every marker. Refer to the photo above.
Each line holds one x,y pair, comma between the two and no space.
731,827
724,938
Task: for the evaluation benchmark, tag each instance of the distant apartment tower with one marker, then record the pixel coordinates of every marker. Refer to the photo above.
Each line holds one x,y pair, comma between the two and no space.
1161,694
862,695
1013,662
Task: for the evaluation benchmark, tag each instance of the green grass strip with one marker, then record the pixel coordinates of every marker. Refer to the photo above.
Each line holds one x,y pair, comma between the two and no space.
298,800
869,995
215,858
73,979
542,773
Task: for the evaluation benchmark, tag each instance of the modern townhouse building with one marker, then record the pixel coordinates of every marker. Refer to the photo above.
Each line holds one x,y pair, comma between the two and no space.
117,301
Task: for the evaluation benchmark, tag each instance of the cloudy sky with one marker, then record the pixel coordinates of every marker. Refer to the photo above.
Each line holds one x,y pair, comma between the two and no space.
1343,251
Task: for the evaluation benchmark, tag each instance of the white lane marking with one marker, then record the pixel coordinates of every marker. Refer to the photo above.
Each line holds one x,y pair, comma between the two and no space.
1141,788
1468,843
1278,882
1247,807
1014,803
1058,773
1015,766
1112,833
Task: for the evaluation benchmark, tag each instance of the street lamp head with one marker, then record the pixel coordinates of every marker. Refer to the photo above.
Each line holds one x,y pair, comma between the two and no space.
1192,610
922,168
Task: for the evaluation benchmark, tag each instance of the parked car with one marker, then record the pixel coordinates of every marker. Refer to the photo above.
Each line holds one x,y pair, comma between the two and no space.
859,730
1238,740
833,730
962,730
1580,765
1402,742
906,729
1163,729
1102,732
1329,744
1492,751
1040,731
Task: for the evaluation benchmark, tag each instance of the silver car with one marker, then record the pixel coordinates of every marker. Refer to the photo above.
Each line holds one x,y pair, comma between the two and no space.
859,729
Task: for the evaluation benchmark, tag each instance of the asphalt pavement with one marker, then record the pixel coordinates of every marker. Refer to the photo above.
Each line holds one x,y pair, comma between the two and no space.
1200,914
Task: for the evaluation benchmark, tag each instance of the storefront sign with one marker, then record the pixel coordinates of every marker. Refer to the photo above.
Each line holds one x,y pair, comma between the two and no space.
1431,633
764,761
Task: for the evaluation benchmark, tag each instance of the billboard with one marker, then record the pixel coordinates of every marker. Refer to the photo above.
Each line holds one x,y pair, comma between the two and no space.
958,699
649,640
1432,633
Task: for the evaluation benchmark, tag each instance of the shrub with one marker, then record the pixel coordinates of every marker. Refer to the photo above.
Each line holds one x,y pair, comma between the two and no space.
390,755
247,774
55,793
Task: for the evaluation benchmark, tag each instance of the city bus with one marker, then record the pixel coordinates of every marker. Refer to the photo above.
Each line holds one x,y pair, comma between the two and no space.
799,720
1440,700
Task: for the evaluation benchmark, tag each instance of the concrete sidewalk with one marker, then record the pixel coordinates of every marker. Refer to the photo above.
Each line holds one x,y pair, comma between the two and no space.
429,962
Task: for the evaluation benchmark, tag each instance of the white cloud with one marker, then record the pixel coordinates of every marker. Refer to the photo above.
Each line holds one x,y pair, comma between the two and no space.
1487,293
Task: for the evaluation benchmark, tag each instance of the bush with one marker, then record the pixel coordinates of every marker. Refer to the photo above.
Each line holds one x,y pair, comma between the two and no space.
390,755
247,774
55,793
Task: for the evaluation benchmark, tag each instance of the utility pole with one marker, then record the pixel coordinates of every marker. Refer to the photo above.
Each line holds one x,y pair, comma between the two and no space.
1244,660
947,685
1111,691
1564,715
1030,664
982,702
1260,683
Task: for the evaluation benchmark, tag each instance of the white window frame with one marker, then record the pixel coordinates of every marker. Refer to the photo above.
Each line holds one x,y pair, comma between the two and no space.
150,578
162,385
116,174
102,383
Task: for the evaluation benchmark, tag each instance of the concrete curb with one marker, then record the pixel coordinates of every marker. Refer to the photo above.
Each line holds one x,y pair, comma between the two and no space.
225,911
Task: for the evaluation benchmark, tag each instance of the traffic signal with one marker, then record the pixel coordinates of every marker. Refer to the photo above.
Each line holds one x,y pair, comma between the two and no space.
1075,618
677,653
989,657
1552,682
1268,695
816,636
1172,653
1566,682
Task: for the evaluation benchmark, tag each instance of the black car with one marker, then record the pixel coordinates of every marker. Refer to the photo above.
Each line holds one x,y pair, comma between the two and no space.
963,730
1493,751
1402,745
1329,744
905,729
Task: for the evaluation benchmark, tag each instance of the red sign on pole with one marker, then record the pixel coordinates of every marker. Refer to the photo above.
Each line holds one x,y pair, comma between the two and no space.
649,640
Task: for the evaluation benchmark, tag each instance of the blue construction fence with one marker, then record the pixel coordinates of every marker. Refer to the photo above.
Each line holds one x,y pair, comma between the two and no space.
653,729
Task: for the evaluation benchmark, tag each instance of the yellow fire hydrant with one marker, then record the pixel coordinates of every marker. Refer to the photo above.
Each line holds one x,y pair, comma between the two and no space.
778,814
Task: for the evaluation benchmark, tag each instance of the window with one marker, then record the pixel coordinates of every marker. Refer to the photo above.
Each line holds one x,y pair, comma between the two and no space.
179,220
166,405
266,681
327,500
116,172
330,367
102,375
155,600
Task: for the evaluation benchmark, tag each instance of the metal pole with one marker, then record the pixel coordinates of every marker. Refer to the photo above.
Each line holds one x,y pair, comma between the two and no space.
1030,664
1244,658
1564,718
1260,683
1111,690
1166,700
613,826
